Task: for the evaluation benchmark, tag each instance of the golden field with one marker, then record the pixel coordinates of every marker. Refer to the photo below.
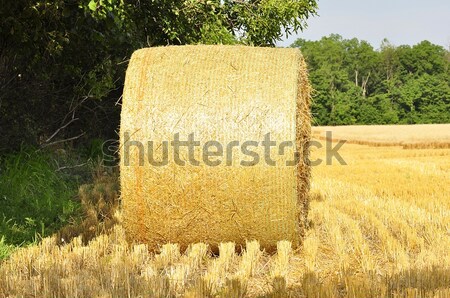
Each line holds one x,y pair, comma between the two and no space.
378,227
421,136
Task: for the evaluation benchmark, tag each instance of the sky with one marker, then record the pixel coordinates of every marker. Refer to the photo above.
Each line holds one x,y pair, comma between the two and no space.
400,21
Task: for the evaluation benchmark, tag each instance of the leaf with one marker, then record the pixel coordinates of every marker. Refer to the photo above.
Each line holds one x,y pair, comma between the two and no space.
92,5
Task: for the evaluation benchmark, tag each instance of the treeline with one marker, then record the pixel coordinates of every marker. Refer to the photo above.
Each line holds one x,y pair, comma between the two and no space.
356,84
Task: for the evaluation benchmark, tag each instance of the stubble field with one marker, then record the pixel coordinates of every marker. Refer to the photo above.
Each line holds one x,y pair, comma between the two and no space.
378,227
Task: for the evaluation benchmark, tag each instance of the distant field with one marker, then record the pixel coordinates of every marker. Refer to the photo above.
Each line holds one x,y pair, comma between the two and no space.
379,227
409,136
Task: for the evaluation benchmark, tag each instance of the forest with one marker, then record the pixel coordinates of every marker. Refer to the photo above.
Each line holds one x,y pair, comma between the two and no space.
357,84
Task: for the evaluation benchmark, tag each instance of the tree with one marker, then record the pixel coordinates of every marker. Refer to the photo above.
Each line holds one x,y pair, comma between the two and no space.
62,62
354,84
361,61
377,109
426,99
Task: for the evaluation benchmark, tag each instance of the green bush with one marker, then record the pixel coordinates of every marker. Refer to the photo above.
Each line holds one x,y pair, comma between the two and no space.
35,198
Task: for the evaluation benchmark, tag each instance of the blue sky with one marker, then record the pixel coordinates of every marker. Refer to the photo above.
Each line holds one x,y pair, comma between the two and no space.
400,21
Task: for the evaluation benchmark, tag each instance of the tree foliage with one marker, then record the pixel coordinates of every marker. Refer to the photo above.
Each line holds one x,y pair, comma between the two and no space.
356,84
63,61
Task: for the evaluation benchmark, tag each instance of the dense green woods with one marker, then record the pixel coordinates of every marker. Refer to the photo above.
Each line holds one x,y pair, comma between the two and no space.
356,84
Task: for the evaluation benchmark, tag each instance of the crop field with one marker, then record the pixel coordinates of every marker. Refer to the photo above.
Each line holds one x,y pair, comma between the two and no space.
378,227
420,136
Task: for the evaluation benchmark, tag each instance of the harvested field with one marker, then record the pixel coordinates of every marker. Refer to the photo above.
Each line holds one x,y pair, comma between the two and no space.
378,227
421,136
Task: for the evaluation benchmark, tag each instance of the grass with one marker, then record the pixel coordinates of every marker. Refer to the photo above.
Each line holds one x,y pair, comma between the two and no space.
5,249
378,227
36,200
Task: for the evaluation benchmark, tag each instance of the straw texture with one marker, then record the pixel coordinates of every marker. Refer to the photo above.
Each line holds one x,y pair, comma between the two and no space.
223,94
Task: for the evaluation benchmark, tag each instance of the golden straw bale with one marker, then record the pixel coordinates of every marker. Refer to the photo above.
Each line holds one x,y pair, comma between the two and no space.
225,94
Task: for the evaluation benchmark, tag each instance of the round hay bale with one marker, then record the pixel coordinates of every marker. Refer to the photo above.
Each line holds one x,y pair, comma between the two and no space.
219,104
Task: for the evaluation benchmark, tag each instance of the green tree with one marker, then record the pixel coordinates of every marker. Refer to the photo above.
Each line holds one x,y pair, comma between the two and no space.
361,62
425,100
354,84
62,62
341,72
325,62
377,109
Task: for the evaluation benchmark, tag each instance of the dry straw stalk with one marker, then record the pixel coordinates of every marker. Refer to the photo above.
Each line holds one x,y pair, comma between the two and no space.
224,94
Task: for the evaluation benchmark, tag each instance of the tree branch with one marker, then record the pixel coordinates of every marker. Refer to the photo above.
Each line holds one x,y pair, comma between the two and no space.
63,141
